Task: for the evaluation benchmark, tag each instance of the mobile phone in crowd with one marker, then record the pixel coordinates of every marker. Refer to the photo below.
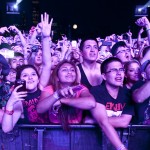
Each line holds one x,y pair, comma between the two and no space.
21,82
74,44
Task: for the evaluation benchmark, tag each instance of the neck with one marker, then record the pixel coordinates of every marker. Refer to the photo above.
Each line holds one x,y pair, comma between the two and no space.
129,85
90,65
112,90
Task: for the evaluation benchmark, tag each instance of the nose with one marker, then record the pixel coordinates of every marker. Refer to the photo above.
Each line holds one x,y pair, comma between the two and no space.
30,77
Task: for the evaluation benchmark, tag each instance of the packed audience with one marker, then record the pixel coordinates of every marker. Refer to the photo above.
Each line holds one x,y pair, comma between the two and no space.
89,81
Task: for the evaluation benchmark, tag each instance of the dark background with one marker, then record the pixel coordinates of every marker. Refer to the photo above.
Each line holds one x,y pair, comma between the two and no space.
94,18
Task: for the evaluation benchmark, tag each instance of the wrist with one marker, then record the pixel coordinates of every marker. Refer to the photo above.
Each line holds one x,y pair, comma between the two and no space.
122,147
56,95
9,112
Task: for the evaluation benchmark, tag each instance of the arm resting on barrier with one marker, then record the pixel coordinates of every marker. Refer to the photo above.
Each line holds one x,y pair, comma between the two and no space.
100,115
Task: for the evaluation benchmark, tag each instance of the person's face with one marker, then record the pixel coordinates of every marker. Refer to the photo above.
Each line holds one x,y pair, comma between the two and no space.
133,72
90,50
38,58
16,61
31,78
18,49
55,61
11,76
66,74
114,75
124,54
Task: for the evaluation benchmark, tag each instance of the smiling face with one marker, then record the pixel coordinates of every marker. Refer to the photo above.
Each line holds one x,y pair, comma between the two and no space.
114,74
90,50
67,74
31,78
133,72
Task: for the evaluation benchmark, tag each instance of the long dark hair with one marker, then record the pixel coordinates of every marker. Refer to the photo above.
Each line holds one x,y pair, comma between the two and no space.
65,112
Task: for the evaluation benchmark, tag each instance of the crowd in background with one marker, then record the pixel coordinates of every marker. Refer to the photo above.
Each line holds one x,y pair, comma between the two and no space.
104,81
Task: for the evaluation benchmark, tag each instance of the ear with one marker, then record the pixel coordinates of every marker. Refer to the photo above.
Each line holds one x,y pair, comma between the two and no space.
103,76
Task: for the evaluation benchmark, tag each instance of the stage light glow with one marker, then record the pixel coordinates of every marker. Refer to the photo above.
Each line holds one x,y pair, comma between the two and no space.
16,6
140,9
75,26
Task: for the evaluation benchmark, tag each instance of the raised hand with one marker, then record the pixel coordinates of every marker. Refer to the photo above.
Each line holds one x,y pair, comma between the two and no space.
14,29
16,96
3,30
45,25
142,22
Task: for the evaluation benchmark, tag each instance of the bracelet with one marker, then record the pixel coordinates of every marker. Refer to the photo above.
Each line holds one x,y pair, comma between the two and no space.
122,147
9,112
56,95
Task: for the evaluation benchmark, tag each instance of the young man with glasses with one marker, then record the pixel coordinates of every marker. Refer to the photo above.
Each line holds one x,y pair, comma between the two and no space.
121,51
113,108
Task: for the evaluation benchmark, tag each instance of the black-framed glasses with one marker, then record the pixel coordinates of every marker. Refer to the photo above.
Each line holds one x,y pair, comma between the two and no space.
123,51
115,70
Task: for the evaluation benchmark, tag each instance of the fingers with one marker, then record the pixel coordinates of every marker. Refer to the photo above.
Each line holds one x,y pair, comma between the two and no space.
16,88
66,92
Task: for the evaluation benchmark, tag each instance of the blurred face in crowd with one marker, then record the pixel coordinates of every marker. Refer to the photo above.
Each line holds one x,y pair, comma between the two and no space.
31,78
124,54
11,76
18,49
55,61
90,50
114,74
133,72
67,74
38,58
16,61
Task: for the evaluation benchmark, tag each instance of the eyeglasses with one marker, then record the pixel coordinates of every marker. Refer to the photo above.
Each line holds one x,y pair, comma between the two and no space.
123,51
115,70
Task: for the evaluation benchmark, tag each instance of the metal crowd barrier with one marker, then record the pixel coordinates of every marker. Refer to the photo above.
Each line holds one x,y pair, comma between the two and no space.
80,137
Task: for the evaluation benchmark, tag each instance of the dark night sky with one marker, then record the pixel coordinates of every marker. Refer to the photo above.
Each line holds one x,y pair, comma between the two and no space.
95,17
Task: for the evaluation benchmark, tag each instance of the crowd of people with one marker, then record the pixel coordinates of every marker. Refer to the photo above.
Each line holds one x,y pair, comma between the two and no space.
88,81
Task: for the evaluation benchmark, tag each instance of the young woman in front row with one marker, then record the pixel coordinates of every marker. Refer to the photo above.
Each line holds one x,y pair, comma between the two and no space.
65,99
22,104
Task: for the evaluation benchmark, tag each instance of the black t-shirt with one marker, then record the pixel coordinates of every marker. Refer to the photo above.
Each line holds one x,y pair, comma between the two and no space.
114,107
30,113
141,109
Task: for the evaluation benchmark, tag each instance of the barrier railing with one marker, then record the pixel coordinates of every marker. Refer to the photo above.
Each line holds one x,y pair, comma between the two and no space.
80,137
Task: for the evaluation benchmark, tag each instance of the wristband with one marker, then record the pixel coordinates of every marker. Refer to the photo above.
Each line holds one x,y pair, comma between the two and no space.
56,95
9,112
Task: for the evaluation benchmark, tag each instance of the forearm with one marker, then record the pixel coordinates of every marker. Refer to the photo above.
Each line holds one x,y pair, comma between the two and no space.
111,134
139,95
148,32
46,58
46,54
120,122
46,104
85,103
33,37
23,41
7,121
